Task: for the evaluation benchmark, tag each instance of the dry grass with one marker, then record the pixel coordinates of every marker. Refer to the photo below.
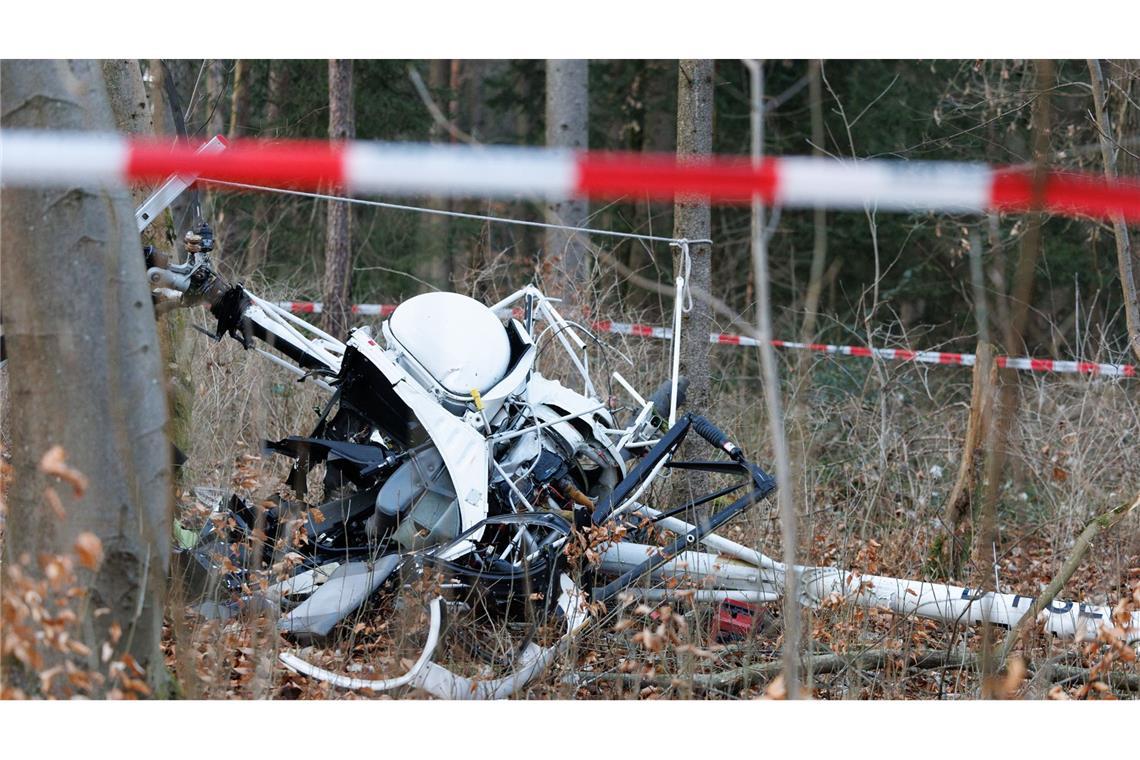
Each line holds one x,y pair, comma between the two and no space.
876,453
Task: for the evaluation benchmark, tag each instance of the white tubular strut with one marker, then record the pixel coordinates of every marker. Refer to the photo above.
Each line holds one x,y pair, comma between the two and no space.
955,604
441,682
298,665
934,601
677,309
284,327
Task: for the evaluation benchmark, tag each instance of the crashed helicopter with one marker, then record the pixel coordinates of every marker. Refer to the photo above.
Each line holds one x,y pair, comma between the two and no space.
446,450
450,451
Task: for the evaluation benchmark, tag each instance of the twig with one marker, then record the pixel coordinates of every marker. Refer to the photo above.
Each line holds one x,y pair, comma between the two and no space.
871,659
1094,528
433,109
773,402
645,283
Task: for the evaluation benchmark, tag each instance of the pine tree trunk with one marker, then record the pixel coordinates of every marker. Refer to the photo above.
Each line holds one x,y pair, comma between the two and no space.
567,126
338,236
692,221
239,100
85,371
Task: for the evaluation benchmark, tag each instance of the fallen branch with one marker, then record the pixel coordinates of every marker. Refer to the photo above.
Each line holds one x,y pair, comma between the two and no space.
1095,527
872,659
1115,679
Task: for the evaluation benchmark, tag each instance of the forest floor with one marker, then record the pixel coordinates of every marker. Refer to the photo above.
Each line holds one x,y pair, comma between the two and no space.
876,448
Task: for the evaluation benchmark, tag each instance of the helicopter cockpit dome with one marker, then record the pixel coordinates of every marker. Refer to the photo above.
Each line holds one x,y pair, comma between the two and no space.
457,340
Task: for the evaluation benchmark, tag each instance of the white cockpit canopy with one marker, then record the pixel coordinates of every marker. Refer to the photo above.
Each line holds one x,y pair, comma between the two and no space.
457,340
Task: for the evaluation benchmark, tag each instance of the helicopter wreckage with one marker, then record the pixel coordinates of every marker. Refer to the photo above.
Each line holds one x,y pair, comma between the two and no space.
447,452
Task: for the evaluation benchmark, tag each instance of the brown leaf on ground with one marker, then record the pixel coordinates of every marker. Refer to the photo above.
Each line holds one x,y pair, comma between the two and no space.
54,462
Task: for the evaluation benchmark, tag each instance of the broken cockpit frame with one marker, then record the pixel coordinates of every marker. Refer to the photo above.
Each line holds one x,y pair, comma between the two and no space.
447,453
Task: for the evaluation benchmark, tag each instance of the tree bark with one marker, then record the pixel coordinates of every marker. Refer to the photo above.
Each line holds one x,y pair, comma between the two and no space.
215,98
1013,343
129,104
338,237
567,126
131,109
692,220
85,370
962,494
239,99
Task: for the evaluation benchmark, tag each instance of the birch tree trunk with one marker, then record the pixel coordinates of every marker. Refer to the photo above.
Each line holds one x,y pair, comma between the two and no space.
692,221
85,370
338,236
567,126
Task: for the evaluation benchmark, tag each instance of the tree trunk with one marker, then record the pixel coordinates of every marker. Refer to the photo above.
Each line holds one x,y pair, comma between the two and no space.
1125,75
85,371
127,95
215,98
1124,252
338,237
962,494
131,111
133,114
692,221
257,252
1013,343
181,74
239,99
567,126
819,241
434,261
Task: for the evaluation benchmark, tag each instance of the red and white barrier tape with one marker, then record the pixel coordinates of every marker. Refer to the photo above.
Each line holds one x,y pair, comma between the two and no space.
49,158
1023,363
365,309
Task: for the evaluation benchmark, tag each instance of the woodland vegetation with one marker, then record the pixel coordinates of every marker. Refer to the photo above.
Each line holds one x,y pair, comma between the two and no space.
896,468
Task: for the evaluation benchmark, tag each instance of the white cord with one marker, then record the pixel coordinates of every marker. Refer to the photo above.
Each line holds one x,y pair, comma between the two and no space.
456,214
686,270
